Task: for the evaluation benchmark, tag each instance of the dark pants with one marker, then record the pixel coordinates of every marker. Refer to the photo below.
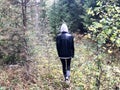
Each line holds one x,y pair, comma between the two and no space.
66,67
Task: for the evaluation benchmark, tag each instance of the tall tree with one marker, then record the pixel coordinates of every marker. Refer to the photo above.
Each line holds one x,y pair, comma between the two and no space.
64,11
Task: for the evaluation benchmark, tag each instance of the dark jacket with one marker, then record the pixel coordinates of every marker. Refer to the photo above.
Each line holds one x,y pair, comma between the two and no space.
65,45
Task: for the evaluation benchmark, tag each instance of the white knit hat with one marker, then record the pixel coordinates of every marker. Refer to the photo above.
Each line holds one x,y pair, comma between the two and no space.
64,28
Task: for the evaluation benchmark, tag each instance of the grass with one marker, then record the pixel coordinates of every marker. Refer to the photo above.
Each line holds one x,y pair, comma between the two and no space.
45,73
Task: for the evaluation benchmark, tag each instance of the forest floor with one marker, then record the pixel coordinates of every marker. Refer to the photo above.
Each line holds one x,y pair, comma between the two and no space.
44,71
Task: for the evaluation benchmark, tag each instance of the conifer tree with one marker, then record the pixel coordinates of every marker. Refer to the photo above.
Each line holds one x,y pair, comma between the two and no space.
64,11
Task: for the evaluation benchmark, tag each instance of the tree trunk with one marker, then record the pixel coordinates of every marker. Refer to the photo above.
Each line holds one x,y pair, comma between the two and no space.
36,15
24,22
24,9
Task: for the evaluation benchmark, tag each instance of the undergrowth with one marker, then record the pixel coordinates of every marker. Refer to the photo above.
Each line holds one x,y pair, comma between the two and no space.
45,71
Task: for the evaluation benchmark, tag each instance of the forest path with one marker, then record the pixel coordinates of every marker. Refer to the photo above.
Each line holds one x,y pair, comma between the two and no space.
84,67
45,71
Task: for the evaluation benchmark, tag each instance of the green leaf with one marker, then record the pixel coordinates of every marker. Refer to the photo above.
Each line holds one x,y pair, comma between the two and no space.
118,42
99,3
97,25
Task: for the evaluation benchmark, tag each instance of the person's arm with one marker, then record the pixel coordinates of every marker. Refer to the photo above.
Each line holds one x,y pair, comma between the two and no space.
72,46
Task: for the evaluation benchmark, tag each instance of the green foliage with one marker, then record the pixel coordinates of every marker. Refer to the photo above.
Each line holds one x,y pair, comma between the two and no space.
64,11
11,36
84,16
105,23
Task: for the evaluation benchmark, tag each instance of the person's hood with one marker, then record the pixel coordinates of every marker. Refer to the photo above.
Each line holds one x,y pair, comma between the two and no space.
64,28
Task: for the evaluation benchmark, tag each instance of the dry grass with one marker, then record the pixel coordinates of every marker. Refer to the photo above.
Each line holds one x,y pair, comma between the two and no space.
45,73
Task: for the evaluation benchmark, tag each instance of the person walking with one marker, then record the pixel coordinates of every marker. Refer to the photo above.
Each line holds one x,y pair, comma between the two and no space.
65,49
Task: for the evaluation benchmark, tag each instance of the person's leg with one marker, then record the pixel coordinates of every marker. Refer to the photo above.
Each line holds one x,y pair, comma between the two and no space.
63,61
68,67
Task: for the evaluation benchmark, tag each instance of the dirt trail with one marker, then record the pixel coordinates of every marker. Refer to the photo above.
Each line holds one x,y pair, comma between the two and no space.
84,68
45,71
